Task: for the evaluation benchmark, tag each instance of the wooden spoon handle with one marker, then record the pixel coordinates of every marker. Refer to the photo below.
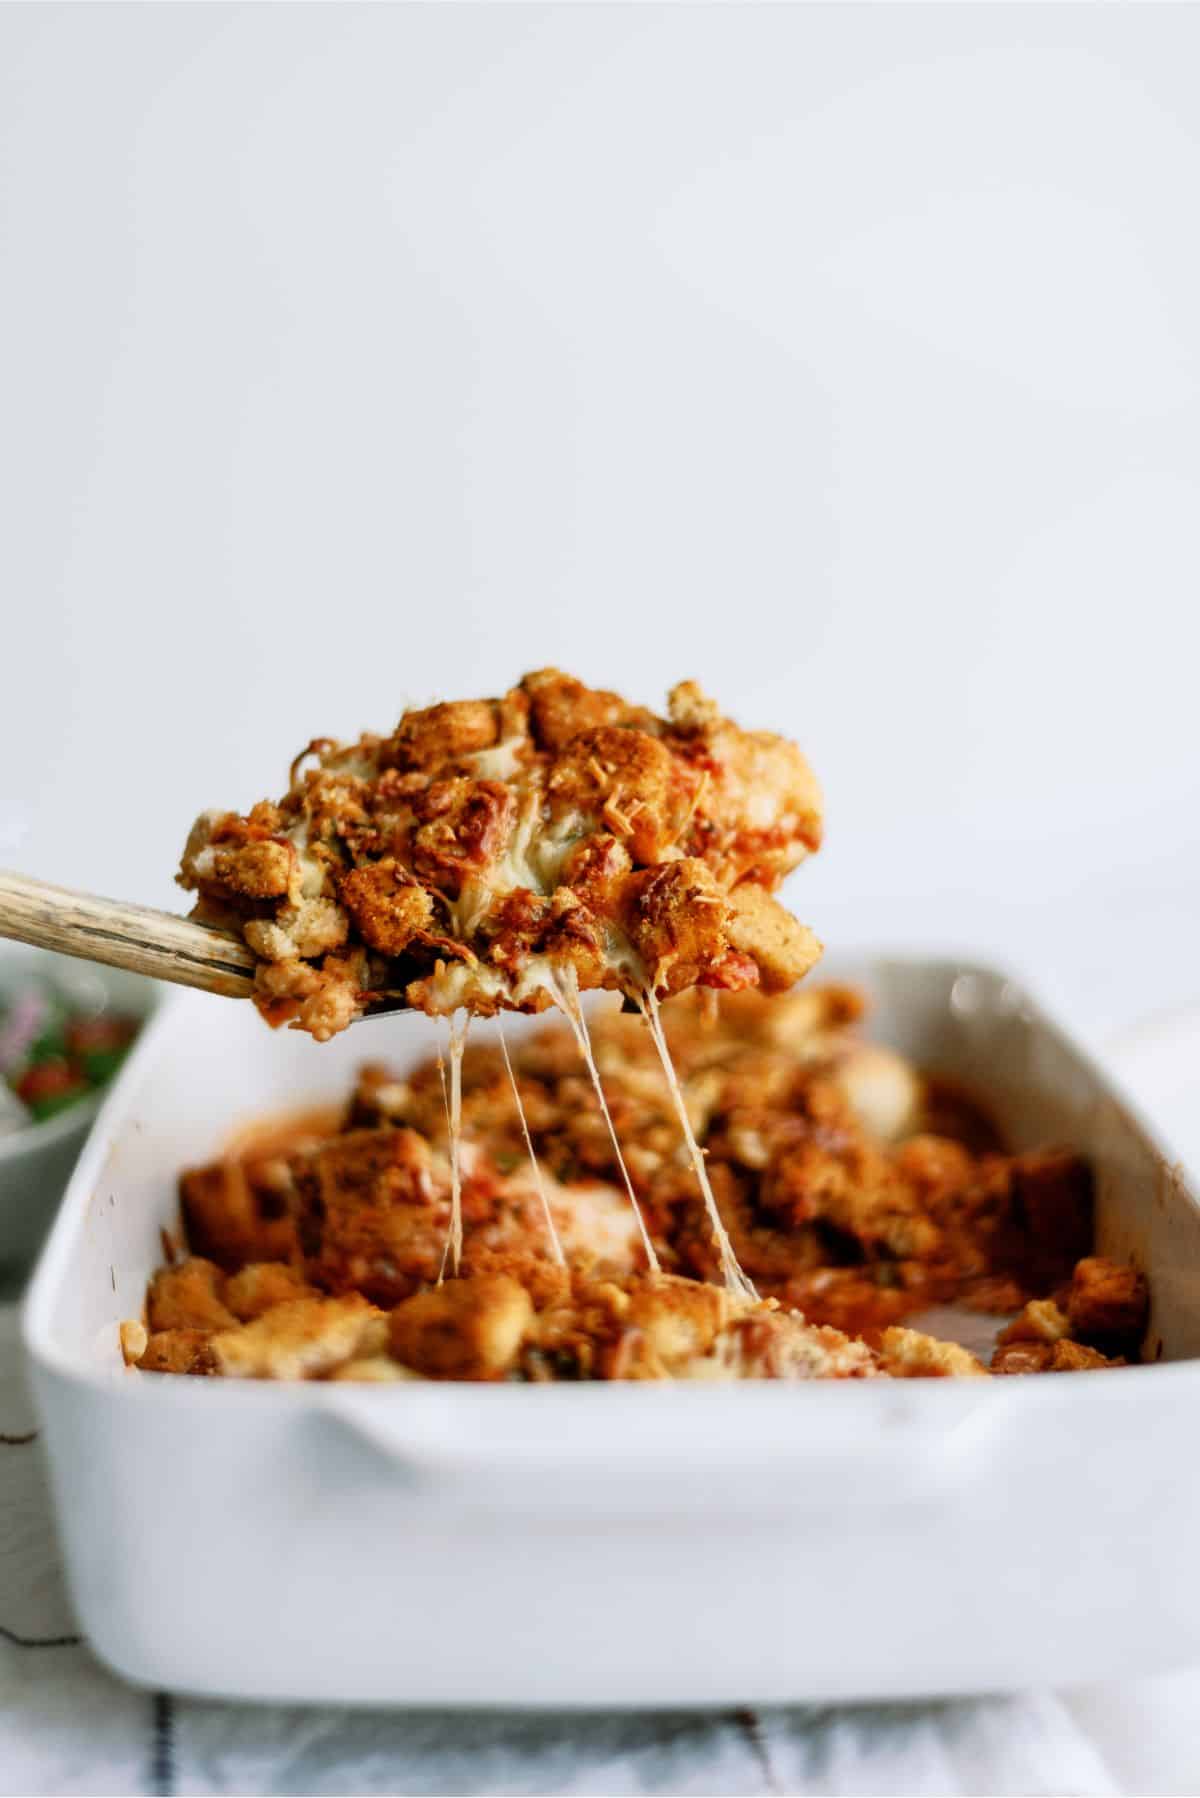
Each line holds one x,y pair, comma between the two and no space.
125,936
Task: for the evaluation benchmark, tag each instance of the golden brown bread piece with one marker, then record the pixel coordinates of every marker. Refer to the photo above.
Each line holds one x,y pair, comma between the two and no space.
464,1330
387,905
677,920
442,733
299,1339
238,1211
178,1351
1062,1356
188,1297
666,1326
560,707
261,1284
372,1213
1107,1305
909,1354
1040,1320
782,949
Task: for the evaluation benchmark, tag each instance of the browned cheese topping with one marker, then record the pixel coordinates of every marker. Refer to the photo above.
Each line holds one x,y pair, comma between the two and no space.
490,849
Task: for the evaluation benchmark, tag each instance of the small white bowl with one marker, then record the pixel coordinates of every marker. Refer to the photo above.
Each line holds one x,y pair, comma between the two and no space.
36,1162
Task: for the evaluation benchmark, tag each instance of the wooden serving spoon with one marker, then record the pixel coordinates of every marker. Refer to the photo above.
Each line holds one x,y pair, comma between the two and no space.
125,936
138,938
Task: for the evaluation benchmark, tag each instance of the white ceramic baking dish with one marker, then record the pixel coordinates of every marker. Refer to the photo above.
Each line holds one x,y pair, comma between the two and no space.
617,1545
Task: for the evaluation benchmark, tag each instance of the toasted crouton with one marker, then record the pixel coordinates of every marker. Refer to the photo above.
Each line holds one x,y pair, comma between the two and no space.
909,1354
1107,1304
254,1289
1040,1321
782,948
178,1351
299,1340
469,1329
1062,1356
188,1297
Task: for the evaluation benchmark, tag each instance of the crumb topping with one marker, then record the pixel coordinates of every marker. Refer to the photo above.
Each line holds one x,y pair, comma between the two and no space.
488,845
856,1192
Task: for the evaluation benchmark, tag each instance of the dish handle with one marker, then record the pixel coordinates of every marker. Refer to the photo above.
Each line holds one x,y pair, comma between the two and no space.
637,1451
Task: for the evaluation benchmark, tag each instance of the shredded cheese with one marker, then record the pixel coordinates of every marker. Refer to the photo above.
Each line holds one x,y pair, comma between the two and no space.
556,1247
456,1036
565,992
501,762
735,1280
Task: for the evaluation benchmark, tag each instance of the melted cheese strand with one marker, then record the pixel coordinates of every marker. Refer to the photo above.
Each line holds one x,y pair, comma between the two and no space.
555,1245
456,1036
441,1068
735,1280
563,987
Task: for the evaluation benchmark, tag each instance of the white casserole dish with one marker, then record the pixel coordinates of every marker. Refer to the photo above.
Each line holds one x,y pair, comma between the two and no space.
616,1545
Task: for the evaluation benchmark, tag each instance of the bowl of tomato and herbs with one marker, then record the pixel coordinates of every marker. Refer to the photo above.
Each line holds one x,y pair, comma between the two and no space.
71,1061
65,1029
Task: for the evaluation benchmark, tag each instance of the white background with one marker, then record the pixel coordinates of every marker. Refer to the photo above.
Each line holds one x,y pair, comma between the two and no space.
846,359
